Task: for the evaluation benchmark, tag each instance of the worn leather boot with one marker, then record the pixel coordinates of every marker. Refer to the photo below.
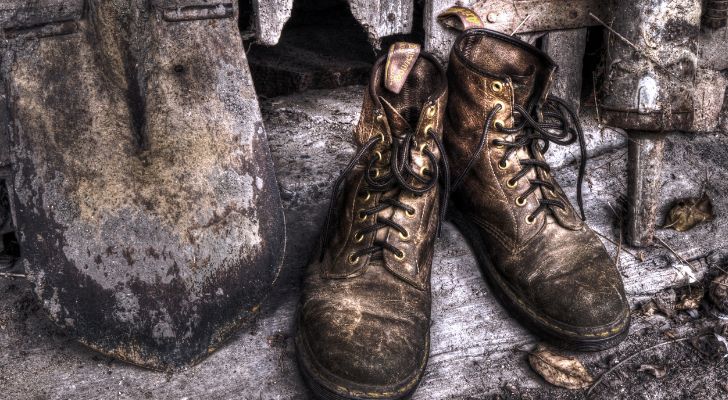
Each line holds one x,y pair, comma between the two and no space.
544,263
364,316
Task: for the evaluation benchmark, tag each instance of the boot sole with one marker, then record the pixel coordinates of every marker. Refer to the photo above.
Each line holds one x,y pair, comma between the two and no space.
521,312
321,388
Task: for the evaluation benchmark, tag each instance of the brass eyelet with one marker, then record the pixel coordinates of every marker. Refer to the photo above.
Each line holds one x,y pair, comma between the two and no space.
404,236
501,104
530,220
431,111
424,170
520,201
381,137
511,184
429,127
353,259
362,215
368,196
499,124
497,86
378,154
400,256
358,237
503,164
380,118
423,147
410,215
376,172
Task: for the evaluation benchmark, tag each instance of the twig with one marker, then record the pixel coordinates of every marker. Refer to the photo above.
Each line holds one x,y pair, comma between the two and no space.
598,381
596,101
12,275
632,45
679,257
618,245
521,24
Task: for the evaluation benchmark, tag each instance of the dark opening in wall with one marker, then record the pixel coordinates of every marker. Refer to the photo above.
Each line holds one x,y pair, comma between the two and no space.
593,71
9,248
322,46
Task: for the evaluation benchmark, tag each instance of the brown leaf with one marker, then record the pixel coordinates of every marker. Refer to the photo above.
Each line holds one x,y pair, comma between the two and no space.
718,292
690,299
687,213
654,370
559,370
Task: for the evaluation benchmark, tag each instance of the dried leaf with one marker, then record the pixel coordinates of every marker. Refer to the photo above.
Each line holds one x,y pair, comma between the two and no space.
654,370
690,299
687,213
563,371
718,292
722,340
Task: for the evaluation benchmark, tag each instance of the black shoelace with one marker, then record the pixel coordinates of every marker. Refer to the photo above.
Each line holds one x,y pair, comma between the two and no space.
401,177
560,125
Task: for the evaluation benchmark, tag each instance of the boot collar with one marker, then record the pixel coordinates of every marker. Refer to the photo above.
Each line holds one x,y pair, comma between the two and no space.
496,56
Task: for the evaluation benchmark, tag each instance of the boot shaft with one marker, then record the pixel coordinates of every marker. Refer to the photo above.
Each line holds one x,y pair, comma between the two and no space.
391,193
498,89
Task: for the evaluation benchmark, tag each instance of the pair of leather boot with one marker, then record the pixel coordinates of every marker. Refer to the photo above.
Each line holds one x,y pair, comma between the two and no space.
364,317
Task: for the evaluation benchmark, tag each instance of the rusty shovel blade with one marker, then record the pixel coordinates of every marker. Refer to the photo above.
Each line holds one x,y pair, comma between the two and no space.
146,201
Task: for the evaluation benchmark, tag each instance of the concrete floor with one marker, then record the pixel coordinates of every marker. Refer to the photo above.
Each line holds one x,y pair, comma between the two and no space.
478,351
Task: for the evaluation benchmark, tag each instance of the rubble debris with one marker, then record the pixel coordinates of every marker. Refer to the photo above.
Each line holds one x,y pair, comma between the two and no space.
688,213
559,370
654,370
714,346
718,292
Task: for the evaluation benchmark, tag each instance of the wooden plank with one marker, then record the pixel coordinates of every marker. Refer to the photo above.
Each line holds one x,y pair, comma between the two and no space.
566,48
644,169
507,15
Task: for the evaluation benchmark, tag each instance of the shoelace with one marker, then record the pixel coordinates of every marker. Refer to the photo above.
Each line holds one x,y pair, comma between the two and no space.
400,173
560,126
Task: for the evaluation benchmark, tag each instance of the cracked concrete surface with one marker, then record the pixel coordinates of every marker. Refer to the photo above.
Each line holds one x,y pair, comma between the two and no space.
477,349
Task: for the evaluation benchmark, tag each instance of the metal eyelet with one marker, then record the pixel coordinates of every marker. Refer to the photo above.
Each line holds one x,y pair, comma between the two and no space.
424,170
381,137
503,164
404,236
379,155
431,111
501,104
362,215
530,220
353,258
376,172
380,118
520,201
511,184
423,147
429,127
368,196
497,86
358,237
399,256
410,215
499,124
